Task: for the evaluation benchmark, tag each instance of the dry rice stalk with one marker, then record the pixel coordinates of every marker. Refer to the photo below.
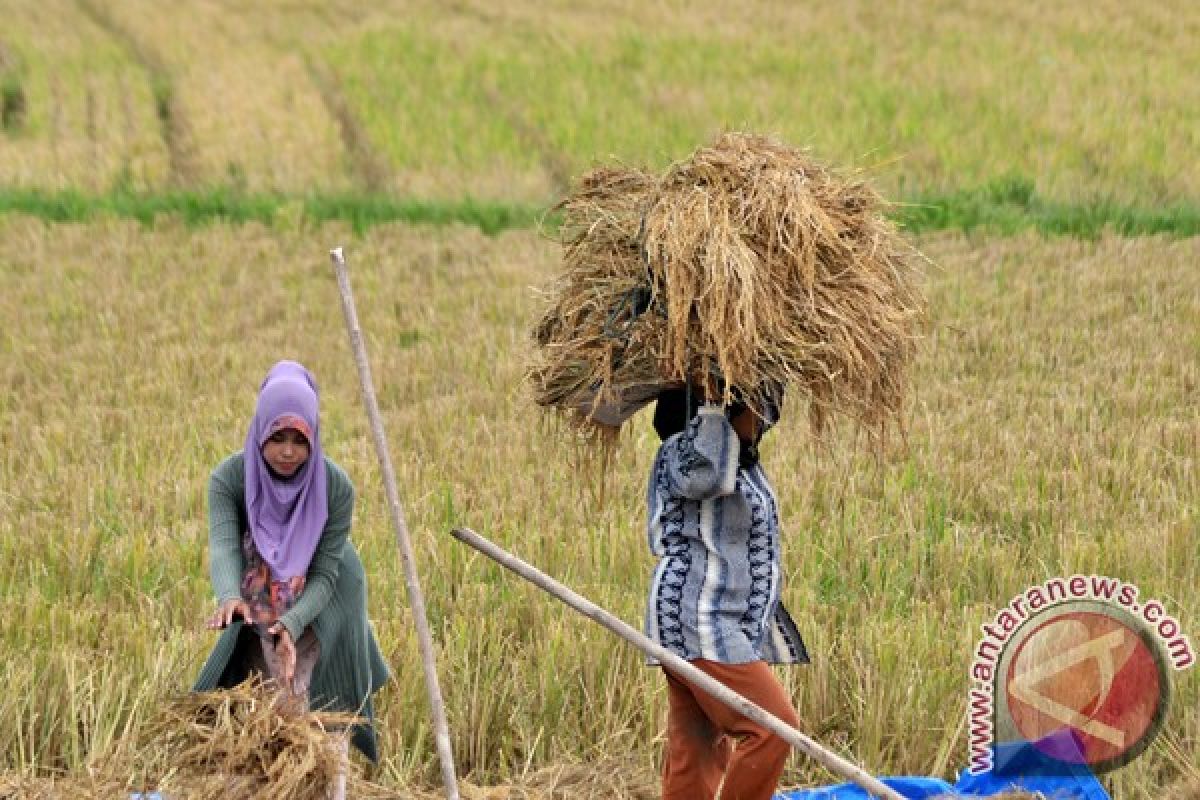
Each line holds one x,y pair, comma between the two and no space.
1184,790
247,736
239,744
749,258
610,779
234,743
61,788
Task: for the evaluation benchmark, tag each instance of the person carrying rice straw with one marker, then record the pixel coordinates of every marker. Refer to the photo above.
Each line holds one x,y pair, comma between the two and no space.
291,590
746,267
714,599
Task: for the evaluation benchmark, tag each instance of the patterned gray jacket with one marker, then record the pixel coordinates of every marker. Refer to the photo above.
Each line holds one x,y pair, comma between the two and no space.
715,527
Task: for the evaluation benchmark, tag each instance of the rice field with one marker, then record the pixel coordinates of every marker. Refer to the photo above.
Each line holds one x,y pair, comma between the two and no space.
508,101
78,111
1054,428
1053,432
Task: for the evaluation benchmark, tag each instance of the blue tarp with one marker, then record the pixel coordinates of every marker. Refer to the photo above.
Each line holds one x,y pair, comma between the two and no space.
1018,766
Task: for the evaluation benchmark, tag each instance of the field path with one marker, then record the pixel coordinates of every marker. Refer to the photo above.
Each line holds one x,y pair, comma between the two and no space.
173,120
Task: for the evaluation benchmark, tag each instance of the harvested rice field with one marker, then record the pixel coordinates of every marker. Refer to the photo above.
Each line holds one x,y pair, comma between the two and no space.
1053,431
171,185
509,101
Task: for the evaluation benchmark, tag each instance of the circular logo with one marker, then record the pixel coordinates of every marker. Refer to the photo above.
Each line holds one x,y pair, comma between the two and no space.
1085,683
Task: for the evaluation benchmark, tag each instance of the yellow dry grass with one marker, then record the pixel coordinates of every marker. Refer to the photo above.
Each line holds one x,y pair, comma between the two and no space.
755,263
1054,431
241,742
89,110
241,90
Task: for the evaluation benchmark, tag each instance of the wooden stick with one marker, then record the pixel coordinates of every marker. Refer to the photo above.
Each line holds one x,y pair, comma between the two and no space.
340,742
677,665
441,731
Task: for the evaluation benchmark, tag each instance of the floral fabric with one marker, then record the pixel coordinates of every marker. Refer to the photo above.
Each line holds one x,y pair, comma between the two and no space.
268,599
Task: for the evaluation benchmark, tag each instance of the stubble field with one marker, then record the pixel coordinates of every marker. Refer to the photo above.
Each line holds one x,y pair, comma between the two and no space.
1053,428
1053,431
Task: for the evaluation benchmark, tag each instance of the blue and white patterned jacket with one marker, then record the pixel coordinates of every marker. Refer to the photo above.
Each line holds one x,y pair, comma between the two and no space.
715,527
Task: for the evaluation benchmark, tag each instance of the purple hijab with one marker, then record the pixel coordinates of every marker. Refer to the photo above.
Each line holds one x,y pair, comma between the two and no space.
286,516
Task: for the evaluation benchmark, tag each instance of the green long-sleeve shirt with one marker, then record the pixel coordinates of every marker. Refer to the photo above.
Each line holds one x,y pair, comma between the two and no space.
334,601
227,521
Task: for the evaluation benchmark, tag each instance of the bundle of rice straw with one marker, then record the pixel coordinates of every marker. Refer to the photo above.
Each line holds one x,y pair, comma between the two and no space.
233,743
246,742
749,259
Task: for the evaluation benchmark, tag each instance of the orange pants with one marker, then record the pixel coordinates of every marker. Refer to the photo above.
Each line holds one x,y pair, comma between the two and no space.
708,742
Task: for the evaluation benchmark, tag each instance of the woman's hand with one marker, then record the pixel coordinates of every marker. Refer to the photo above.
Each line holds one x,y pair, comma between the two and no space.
226,612
285,651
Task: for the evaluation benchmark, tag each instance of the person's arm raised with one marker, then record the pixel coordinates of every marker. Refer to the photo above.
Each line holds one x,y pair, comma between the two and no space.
702,460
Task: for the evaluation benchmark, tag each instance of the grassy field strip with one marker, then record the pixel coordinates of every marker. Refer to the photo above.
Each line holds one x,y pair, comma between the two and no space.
252,113
88,109
367,167
174,123
1053,430
448,101
957,97
1005,207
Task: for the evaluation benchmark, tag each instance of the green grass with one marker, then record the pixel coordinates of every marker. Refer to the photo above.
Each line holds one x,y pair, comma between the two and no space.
938,99
499,103
223,205
1004,207
87,110
1010,205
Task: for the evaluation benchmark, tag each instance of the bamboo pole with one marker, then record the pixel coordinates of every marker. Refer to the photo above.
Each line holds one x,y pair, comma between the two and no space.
416,600
341,746
811,748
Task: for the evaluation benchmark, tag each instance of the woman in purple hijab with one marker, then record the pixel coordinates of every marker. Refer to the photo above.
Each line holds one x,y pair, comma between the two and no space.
290,588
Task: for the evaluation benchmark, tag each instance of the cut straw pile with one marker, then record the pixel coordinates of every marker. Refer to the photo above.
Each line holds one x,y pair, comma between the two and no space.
751,260
240,743
243,738
232,743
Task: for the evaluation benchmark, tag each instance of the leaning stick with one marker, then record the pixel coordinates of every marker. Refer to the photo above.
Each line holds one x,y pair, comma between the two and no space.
441,731
677,665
